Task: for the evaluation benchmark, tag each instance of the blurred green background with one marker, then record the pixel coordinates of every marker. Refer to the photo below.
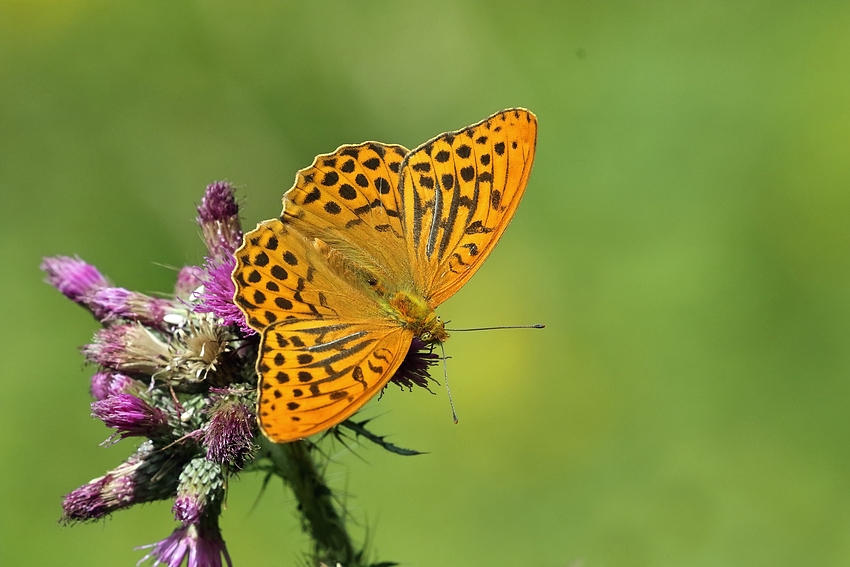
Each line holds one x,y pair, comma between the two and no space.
685,238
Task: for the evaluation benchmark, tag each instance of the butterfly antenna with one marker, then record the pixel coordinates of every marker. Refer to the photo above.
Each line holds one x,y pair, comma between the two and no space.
536,326
446,377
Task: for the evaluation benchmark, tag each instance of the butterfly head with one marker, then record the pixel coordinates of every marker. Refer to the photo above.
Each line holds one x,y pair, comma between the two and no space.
434,332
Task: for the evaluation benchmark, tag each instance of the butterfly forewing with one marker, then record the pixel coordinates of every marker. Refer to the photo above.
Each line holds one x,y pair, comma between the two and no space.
350,200
315,373
459,192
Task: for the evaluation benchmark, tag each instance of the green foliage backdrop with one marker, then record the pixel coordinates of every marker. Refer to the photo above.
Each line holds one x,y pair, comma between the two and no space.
685,238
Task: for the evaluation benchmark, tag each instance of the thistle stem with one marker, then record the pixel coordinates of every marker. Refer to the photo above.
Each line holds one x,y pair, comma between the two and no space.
331,542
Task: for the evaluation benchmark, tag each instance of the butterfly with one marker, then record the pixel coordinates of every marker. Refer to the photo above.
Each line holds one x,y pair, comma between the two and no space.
372,238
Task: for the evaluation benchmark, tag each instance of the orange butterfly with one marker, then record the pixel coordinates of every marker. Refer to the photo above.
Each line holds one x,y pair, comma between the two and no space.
371,239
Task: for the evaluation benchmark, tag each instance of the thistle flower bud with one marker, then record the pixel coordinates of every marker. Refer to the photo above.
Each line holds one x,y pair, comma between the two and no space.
218,217
131,416
129,348
229,434
72,276
105,384
200,491
123,384
414,368
144,477
100,385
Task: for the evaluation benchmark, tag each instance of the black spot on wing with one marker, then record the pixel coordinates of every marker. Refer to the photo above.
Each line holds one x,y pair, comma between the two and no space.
313,195
382,185
347,192
448,181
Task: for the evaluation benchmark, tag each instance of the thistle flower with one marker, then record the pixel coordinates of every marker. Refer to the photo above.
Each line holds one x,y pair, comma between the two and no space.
218,217
73,277
111,303
144,477
181,373
201,545
414,368
129,348
230,432
217,295
198,350
131,416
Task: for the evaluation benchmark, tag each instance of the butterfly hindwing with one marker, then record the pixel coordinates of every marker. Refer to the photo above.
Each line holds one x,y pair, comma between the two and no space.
459,192
316,373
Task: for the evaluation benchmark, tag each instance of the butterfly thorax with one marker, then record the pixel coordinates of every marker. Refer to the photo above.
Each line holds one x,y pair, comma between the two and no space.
416,315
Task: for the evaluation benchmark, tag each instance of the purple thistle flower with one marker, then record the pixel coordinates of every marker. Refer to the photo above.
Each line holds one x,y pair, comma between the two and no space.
217,297
130,348
131,416
414,368
72,276
218,217
131,483
99,497
229,434
200,544
189,278
111,303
